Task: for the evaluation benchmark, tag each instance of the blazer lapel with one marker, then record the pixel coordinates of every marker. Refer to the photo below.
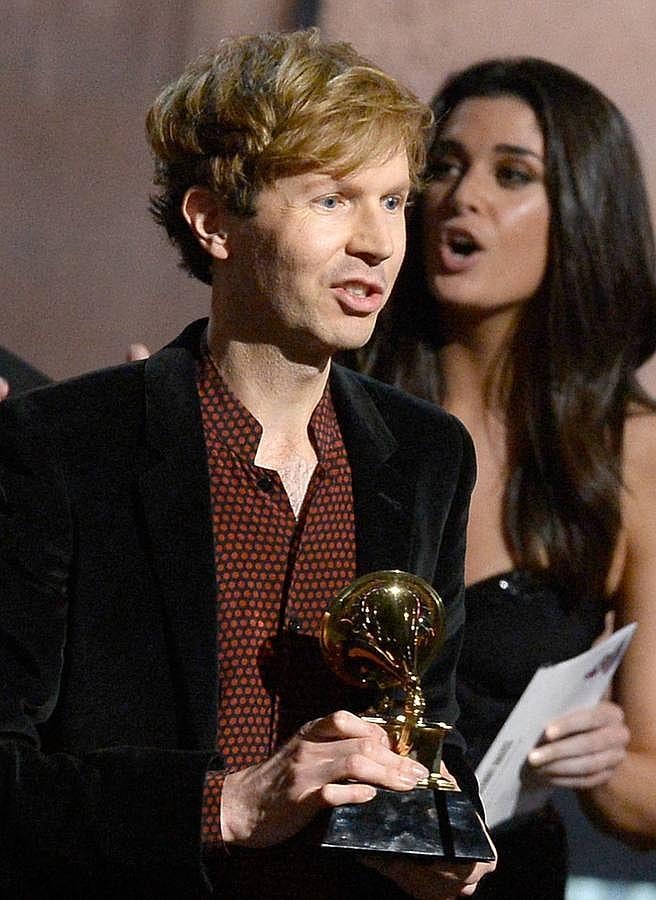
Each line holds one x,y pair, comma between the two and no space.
176,502
382,496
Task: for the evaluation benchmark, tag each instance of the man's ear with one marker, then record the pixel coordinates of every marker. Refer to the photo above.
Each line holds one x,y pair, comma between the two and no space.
206,218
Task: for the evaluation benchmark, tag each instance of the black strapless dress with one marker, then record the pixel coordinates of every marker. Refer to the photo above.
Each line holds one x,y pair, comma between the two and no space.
517,622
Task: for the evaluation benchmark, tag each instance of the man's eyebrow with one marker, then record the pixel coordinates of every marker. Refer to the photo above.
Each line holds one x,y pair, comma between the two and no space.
322,176
320,181
402,187
339,182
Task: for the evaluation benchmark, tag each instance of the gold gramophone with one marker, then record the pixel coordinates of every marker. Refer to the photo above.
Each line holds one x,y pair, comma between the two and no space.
383,631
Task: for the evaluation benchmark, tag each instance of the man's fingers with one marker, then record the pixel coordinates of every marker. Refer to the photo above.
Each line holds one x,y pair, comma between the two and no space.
436,880
339,725
136,352
341,794
365,761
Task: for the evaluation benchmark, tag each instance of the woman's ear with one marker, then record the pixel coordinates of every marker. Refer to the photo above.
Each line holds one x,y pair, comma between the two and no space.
206,218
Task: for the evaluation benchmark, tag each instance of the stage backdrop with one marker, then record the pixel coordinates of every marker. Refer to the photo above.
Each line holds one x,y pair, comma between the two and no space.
84,270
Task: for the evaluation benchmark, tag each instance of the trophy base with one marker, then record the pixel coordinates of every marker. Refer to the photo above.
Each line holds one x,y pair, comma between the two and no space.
422,822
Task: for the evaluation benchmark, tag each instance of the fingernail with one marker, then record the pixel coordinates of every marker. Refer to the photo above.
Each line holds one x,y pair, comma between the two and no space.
414,773
406,779
535,757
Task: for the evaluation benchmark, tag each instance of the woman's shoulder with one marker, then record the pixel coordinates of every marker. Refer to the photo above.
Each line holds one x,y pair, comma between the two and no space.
636,555
638,496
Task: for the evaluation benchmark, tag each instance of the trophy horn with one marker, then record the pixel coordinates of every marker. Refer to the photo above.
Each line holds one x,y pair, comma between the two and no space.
383,630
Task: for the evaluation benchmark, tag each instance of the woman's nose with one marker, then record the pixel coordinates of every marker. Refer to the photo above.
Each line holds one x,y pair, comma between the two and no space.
469,191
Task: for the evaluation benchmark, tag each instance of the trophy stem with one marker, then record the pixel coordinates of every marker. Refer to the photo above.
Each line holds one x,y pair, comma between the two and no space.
412,716
411,735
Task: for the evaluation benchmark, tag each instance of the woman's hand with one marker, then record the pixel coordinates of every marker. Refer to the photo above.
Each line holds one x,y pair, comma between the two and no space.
582,749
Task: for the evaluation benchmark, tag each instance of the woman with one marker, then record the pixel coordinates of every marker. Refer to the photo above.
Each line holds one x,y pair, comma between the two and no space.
525,307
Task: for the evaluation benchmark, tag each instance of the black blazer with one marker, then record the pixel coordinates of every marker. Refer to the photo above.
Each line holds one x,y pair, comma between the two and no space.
108,609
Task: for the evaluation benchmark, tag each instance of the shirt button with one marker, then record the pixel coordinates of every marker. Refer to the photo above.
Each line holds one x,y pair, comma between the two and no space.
265,484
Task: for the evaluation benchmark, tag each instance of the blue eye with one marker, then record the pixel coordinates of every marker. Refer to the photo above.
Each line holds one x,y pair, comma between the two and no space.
329,202
392,203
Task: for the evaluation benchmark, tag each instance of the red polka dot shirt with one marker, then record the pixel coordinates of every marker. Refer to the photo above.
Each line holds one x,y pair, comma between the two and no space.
275,576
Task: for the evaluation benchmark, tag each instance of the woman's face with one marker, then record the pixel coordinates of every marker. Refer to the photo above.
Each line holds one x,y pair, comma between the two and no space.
485,214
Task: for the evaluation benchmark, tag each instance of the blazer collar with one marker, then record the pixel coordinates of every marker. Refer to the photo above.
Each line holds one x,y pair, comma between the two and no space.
382,494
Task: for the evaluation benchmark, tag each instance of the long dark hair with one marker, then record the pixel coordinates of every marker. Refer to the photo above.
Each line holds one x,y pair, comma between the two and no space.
576,345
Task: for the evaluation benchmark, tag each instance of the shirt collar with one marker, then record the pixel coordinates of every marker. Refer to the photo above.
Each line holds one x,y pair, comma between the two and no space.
235,427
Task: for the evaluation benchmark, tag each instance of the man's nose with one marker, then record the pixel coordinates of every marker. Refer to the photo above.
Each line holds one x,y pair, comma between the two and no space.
372,237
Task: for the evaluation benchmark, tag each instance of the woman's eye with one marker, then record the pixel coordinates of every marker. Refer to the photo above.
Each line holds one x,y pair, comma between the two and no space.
444,170
514,176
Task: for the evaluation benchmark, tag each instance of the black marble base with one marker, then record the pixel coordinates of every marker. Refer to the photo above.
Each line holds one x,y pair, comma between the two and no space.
423,822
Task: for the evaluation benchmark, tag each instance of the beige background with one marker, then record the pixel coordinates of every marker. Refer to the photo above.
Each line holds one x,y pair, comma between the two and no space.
84,270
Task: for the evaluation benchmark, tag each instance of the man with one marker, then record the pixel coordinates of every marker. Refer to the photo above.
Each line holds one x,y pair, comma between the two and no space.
173,529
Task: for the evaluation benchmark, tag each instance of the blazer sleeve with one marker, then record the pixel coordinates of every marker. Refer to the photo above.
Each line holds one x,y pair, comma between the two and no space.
119,816
440,680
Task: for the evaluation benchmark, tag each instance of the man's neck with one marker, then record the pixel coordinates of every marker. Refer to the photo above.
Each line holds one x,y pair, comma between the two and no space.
282,396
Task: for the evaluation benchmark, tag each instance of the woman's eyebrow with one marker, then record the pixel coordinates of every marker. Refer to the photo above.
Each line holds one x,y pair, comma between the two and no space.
517,149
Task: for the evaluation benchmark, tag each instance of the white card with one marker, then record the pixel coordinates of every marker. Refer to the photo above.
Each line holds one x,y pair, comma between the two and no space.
506,788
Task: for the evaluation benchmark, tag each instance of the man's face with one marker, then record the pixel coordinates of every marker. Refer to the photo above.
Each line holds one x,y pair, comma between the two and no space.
315,265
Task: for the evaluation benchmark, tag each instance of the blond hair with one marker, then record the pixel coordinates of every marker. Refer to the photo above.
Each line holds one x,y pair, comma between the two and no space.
261,107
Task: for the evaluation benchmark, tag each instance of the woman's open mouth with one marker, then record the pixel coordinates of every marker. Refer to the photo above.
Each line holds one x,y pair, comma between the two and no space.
458,250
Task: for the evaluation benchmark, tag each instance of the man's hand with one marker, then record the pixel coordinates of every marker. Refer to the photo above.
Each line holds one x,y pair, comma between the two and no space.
582,749
432,879
331,761
4,389
436,880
